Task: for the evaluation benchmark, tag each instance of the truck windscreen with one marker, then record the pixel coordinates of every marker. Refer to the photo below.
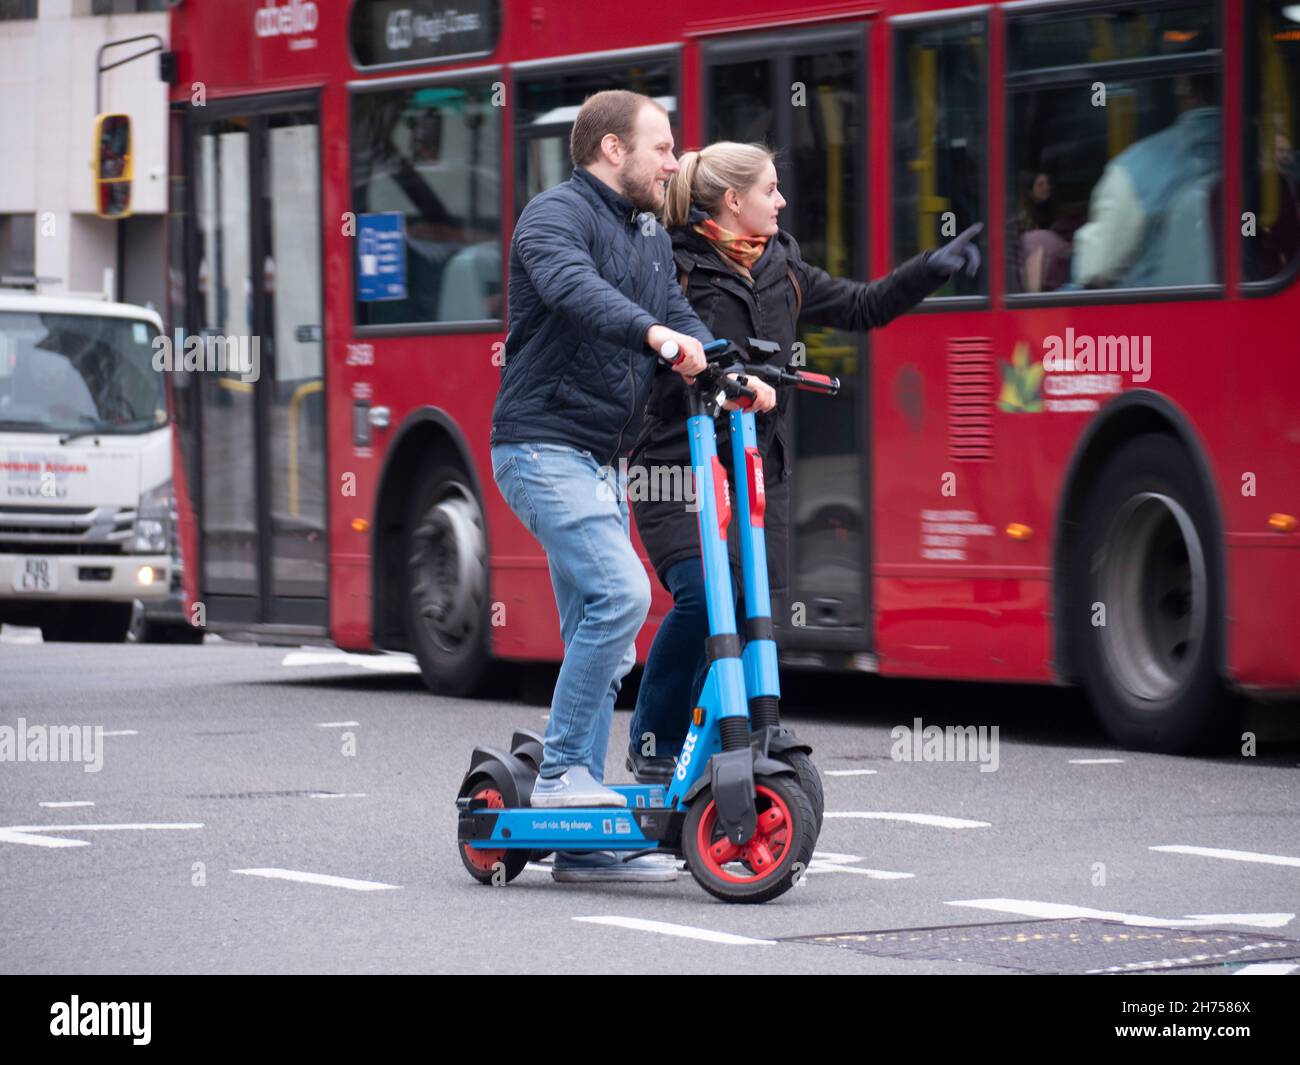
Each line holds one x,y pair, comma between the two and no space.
78,372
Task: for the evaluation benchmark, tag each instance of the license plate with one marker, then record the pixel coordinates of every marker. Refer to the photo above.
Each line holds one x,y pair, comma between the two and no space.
36,575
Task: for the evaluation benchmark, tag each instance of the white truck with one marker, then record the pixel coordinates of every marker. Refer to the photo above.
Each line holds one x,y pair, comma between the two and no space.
87,520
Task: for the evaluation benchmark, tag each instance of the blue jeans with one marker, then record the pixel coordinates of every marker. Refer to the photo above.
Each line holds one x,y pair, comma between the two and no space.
578,512
676,667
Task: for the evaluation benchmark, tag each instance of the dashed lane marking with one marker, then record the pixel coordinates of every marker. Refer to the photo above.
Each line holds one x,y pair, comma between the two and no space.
1235,856
323,879
682,931
933,820
34,835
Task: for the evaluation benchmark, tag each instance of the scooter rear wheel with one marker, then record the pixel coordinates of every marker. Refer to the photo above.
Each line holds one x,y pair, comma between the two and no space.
484,864
772,860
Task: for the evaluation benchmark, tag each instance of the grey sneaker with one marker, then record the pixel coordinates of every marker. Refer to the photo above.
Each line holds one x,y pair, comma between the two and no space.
599,866
574,787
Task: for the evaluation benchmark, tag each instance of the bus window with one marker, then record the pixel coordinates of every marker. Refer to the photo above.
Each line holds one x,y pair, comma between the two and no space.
432,154
1271,165
939,146
546,105
1116,163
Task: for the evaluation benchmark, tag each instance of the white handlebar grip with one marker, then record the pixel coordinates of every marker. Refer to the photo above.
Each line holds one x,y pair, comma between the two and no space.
669,351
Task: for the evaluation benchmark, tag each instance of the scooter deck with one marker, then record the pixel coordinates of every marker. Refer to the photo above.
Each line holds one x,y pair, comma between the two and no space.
645,823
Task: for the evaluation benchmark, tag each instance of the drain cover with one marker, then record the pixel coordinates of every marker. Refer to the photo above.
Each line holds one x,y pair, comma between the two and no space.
1076,945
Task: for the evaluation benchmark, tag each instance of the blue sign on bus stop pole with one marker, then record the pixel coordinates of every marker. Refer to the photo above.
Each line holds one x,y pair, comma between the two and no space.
381,256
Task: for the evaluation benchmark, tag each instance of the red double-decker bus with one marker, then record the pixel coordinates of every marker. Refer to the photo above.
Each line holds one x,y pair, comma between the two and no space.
1081,465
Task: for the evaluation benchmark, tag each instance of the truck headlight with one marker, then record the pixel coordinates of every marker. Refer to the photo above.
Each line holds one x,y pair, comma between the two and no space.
152,534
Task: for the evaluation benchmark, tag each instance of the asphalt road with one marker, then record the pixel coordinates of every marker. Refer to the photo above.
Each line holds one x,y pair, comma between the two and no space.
223,758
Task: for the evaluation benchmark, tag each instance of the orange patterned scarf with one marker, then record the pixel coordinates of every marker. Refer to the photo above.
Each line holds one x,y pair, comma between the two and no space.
743,251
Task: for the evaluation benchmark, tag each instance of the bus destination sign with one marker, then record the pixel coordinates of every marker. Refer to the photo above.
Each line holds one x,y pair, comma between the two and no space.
401,32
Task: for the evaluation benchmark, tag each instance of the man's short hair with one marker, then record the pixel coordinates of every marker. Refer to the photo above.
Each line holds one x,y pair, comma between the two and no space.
612,111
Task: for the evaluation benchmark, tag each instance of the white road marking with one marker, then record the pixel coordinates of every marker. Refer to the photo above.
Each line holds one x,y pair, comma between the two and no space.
338,724
62,805
388,662
8,835
849,772
1096,761
19,634
1236,856
935,820
337,795
832,862
875,874
34,835
1267,968
1058,911
319,878
680,930
120,732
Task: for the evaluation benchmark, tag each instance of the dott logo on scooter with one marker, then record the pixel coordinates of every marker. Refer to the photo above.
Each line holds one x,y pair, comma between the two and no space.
684,759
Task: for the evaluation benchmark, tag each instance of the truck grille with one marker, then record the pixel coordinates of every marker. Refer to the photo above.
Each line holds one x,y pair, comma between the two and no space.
66,530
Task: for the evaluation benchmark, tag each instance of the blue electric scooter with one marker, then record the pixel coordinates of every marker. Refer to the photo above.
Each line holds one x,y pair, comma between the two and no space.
738,815
762,677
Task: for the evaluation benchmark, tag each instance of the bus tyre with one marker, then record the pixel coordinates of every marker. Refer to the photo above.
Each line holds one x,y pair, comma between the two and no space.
447,583
770,862
1145,605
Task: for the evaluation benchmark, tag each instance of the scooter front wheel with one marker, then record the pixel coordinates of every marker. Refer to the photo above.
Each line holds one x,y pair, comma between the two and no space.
773,859
501,865
811,782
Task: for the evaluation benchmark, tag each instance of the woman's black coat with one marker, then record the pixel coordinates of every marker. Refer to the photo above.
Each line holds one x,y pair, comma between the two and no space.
768,309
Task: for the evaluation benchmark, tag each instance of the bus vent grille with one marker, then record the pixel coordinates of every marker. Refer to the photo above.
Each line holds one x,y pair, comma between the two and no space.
970,399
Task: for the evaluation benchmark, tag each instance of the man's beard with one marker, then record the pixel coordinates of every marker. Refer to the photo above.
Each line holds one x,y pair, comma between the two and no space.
640,189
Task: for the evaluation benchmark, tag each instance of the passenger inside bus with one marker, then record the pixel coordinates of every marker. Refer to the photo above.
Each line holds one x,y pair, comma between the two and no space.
1151,220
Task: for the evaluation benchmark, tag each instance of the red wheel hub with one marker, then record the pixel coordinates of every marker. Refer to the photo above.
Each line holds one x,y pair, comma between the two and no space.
765,849
484,860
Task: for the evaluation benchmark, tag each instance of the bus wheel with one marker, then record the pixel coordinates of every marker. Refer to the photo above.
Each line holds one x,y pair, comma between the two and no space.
1146,612
447,583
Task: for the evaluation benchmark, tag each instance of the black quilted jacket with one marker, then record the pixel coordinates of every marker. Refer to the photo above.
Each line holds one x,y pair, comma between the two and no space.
589,275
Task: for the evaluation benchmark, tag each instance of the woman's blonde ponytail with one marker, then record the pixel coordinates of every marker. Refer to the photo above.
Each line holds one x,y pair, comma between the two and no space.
677,198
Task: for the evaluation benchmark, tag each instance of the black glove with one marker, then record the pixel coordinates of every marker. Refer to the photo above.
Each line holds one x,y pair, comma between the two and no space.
958,252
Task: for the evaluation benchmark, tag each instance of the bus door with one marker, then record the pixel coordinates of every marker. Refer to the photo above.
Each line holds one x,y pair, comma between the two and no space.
256,269
804,94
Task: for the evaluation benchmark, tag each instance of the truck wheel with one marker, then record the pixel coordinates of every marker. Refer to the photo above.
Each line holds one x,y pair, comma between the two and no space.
447,583
87,623
1146,613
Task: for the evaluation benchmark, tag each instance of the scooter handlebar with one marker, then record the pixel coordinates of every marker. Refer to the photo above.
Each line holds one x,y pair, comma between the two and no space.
728,387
